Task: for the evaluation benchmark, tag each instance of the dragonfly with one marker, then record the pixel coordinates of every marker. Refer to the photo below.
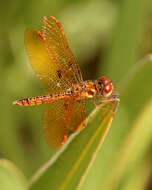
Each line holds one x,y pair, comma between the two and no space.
56,67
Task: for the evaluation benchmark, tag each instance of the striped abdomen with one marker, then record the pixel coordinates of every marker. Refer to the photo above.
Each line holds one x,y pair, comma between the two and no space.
37,100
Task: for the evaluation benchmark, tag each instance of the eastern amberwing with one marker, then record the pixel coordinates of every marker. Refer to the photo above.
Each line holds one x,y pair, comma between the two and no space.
55,65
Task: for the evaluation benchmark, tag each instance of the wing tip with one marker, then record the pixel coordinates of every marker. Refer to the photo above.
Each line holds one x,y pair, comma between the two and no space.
47,19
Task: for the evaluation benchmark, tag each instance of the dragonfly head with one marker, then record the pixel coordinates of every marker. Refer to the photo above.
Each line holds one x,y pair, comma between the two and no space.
105,87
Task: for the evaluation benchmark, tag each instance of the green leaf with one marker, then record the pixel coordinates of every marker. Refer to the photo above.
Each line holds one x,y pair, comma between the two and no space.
132,151
10,177
69,167
135,95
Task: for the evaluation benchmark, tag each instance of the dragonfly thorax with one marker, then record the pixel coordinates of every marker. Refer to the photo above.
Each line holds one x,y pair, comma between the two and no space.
89,89
104,86
83,90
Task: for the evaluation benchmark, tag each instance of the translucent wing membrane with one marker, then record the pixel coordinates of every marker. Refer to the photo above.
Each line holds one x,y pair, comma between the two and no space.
55,127
55,65
44,66
60,118
78,116
55,37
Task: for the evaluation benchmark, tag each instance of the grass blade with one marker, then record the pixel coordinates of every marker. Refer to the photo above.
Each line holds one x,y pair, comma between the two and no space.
69,167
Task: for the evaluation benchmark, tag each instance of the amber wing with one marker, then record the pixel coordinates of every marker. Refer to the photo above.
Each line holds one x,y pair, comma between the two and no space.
55,127
57,44
43,65
55,65
78,116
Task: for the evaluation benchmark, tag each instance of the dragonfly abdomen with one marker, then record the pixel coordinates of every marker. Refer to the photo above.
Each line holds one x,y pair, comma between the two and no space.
37,100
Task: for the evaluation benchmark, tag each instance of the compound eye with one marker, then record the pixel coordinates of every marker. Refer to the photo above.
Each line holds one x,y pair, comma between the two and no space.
108,89
105,80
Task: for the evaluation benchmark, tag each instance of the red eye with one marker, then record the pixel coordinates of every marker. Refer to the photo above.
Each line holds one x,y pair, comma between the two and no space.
105,80
108,89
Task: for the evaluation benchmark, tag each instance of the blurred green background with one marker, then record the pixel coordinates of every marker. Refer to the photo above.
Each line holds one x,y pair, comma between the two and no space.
108,38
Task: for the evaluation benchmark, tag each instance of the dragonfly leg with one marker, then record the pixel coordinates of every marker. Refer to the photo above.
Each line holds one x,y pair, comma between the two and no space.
101,103
116,106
